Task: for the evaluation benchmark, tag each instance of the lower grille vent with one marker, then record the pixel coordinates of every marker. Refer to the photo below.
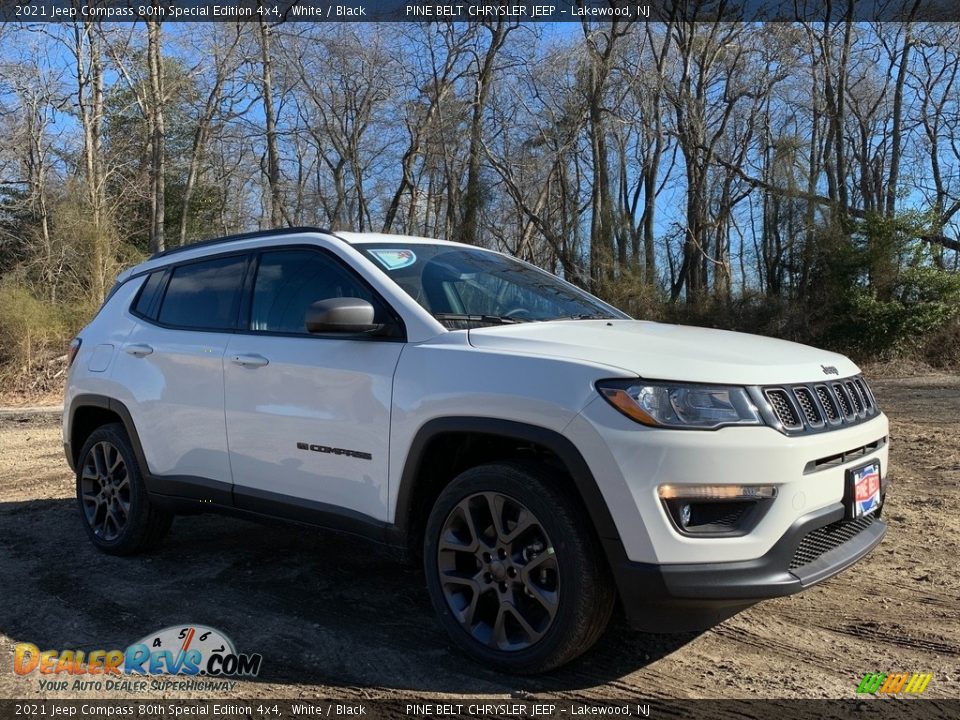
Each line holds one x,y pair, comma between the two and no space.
826,538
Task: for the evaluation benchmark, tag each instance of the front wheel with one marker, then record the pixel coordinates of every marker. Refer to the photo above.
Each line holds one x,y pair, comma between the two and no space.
116,509
514,570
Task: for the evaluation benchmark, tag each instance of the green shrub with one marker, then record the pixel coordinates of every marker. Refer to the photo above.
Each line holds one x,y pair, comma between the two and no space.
923,300
941,348
34,336
920,319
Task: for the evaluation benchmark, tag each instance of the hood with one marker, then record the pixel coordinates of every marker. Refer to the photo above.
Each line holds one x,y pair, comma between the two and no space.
656,351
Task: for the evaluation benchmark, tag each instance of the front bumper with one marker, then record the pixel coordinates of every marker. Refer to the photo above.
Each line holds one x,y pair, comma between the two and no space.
690,597
631,461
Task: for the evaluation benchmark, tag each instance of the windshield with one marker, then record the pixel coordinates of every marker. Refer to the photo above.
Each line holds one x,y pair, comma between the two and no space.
466,288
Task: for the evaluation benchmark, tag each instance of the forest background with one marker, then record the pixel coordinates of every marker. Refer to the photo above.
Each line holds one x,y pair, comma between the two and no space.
799,180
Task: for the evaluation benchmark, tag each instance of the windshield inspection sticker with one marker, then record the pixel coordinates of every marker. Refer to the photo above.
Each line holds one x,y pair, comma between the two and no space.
395,259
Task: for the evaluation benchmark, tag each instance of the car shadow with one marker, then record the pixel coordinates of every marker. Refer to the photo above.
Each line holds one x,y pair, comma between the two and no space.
322,609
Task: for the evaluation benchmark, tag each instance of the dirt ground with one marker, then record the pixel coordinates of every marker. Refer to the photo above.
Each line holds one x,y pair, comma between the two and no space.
337,618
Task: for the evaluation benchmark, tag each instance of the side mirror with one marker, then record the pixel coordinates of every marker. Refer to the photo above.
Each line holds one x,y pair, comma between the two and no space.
341,315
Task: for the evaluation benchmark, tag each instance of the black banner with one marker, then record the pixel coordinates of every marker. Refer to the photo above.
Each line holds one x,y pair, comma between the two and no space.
478,10
480,709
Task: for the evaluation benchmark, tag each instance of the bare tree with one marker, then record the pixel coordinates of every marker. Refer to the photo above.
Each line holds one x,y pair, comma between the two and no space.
937,79
440,55
472,196
222,51
277,212
345,82
27,163
704,96
600,44
705,162
157,135
89,84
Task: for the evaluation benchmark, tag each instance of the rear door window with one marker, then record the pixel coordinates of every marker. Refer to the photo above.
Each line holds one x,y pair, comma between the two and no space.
204,295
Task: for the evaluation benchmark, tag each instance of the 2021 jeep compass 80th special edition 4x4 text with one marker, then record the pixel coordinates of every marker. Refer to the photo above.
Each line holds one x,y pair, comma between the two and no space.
545,454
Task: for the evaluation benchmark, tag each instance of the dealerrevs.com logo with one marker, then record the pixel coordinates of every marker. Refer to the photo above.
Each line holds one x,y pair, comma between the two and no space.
179,650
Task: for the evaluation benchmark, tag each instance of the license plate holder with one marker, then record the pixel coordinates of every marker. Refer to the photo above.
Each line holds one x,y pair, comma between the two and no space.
862,489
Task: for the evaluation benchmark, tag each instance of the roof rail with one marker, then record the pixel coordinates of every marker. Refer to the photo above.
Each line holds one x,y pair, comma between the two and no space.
240,236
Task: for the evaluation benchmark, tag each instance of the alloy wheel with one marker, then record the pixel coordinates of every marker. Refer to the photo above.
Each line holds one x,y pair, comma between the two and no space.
105,491
498,571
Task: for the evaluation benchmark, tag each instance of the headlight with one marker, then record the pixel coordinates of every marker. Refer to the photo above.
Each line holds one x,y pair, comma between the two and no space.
680,405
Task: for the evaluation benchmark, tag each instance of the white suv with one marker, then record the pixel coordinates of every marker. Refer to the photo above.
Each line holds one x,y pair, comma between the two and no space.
544,453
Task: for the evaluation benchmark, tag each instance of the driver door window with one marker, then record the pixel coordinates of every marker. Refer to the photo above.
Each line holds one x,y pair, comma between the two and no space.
289,281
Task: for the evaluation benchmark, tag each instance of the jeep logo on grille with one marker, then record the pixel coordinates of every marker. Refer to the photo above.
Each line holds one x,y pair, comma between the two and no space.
829,370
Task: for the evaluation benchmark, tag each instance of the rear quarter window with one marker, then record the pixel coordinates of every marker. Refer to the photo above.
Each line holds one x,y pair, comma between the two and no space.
145,304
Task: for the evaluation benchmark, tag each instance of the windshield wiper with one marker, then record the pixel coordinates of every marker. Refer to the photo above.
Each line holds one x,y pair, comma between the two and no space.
490,319
585,316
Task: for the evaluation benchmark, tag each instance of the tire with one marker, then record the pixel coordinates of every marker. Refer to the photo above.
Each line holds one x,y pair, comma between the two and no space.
114,505
559,594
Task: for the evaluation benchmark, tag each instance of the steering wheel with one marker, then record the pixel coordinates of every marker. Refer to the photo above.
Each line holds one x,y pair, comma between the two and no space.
517,313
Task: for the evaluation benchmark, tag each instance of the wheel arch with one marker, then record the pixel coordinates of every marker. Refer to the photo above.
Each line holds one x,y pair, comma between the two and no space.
87,413
460,443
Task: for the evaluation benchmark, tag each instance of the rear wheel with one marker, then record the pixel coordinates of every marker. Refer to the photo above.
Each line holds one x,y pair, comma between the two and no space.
513,569
114,504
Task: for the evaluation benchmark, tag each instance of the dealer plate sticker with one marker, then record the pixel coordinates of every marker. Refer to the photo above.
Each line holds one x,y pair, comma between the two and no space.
393,259
866,489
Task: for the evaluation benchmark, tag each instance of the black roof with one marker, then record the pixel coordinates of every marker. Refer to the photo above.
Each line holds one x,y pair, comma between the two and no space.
240,236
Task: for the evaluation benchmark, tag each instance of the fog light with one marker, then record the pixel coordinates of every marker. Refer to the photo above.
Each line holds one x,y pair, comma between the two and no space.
716,510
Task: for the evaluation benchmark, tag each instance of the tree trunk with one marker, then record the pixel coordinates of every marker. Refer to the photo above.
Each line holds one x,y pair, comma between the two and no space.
270,126
89,78
473,194
896,131
157,138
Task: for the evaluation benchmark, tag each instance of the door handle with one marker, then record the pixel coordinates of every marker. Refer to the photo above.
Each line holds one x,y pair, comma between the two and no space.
253,361
138,350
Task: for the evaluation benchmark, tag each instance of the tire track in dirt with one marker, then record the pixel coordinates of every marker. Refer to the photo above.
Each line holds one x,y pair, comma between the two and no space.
777,641
897,635
928,596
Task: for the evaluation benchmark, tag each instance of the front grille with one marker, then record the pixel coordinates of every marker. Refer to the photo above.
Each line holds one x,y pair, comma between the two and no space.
828,403
808,405
780,401
843,399
855,396
865,393
814,407
828,537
